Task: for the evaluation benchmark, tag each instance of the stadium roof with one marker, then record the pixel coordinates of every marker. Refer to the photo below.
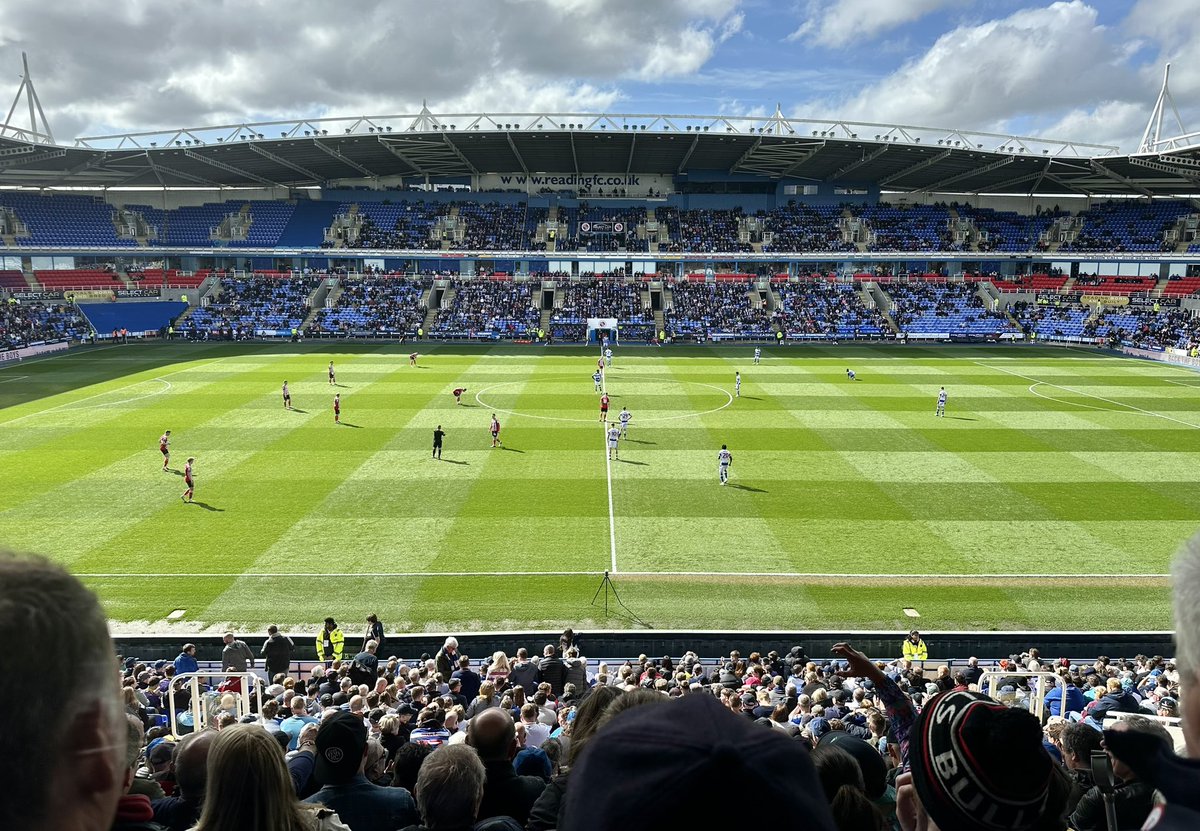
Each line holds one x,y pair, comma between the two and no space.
319,152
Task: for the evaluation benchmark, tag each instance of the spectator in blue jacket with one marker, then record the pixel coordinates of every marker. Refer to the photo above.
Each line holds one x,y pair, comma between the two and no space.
1075,700
186,660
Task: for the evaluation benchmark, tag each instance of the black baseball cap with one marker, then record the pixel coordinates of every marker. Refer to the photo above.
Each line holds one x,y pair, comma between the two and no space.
341,743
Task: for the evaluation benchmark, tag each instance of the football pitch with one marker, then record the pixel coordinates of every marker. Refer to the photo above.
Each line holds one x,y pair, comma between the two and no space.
1052,495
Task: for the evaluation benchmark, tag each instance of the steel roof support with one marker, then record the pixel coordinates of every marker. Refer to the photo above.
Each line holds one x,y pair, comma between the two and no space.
930,162
513,145
337,154
867,159
958,177
1117,177
228,168
282,162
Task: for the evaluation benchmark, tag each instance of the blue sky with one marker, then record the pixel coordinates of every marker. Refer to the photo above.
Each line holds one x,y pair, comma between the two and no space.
1085,70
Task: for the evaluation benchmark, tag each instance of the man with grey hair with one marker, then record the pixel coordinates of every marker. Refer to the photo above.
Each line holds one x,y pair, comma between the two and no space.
447,657
62,757
450,788
236,655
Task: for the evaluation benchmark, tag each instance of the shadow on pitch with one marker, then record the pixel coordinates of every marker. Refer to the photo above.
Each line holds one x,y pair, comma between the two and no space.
208,507
961,418
455,461
298,410
750,397
177,472
641,441
510,449
746,488
348,424
631,462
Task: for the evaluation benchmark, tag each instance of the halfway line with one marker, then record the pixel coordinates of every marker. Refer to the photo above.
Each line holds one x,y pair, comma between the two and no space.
795,575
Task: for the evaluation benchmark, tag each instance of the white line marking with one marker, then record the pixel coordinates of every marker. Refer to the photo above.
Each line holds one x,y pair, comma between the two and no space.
641,420
158,575
612,520
14,378
55,356
1130,407
159,378
1182,384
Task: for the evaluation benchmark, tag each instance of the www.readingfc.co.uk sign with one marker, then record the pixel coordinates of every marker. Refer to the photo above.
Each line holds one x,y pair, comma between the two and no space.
630,182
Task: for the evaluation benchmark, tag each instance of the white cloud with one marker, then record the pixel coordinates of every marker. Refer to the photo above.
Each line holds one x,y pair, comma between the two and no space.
842,22
1032,66
103,68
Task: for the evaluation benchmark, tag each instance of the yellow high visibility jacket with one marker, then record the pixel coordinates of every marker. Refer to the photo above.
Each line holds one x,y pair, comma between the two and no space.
915,651
337,642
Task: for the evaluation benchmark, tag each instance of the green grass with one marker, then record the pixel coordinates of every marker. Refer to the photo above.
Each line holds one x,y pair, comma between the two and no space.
1050,462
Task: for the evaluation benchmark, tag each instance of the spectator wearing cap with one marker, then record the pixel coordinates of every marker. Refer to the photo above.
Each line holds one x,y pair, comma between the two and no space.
977,764
1168,707
647,762
914,648
189,766
64,762
340,762
505,794
186,661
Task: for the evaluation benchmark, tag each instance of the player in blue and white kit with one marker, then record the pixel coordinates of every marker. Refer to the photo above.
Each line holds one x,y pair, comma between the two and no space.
608,357
724,460
941,405
625,417
850,374
614,433
757,354
737,384
598,379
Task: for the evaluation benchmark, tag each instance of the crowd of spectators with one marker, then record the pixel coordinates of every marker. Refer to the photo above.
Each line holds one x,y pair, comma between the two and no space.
248,304
702,310
498,309
24,323
944,307
599,297
703,231
799,228
554,741
375,306
826,309
494,226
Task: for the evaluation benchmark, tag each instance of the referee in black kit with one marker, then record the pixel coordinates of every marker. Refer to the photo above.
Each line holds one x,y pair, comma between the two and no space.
437,442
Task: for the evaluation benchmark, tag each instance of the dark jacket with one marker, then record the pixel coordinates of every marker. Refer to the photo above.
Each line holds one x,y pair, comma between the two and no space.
552,671
176,813
470,682
577,674
1133,802
368,807
446,663
1120,701
277,650
524,674
1081,783
507,795
1075,700
547,812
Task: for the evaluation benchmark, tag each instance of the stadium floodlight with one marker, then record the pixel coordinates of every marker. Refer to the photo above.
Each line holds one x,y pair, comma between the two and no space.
261,136
219,140
706,128
815,133
854,135
154,144
306,132
324,132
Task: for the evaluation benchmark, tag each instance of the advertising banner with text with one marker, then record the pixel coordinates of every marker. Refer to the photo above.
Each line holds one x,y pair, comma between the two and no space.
593,183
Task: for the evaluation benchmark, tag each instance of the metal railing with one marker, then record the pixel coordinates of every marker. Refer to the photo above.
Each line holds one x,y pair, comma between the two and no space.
201,714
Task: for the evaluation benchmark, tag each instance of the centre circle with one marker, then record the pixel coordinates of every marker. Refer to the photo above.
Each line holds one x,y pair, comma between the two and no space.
651,419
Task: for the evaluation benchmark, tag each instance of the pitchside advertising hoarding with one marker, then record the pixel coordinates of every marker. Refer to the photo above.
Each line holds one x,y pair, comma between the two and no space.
631,183
30,351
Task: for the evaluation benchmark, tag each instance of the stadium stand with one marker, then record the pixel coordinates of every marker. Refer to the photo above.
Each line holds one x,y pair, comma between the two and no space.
22,324
914,228
374,306
135,317
250,304
705,310
599,297
1124,226
823,309
951,308
806,228
77,278
496,309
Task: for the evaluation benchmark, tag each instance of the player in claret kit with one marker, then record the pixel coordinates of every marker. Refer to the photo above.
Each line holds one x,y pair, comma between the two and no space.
458,391
337,409
495,430
287,397
164,447
188,480
412,359
604,407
